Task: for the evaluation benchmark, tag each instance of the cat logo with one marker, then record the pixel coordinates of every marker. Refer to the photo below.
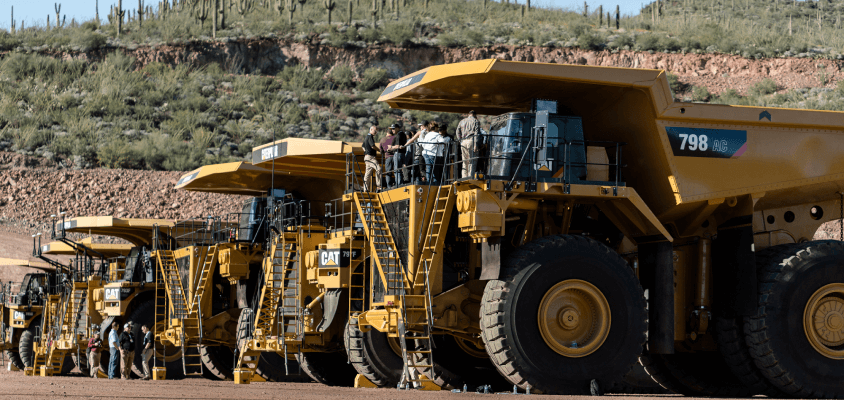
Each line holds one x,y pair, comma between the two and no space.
337,257
19,316
112,294
329,258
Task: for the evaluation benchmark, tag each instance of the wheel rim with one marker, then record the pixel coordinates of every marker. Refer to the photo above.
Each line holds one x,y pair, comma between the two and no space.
823,321
574,318
471,348
395,345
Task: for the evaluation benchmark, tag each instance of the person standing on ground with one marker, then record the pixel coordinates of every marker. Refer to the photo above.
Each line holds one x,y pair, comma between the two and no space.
127,350
388,149
94,346
146,354
468,131
114,348
370,158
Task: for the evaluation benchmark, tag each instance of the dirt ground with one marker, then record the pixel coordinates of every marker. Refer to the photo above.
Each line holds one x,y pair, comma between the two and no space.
14,385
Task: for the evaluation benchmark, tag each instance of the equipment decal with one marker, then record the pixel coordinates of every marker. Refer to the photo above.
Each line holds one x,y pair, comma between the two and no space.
403,83
701,142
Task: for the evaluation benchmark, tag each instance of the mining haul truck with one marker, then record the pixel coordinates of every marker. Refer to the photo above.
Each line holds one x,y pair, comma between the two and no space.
24,306
598,223
110,282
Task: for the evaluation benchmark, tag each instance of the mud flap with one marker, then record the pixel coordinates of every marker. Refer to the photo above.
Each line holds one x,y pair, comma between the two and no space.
330,304
734,285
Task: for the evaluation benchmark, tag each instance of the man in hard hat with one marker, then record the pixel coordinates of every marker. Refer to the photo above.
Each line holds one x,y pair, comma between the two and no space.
127,349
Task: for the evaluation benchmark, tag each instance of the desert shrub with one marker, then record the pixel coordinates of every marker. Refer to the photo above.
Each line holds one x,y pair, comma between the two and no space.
293,114
589,41
763,87
88,40
342,76
700,93
299,77
373,78
397,32
117,153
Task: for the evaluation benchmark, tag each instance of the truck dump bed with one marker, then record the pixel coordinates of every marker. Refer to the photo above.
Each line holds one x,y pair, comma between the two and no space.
679,156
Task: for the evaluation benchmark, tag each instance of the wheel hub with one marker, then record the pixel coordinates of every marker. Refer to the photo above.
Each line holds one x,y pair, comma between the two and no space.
574,318
823,321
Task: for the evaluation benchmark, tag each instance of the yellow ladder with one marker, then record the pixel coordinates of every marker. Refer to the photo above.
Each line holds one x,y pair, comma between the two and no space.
417,312
209,261
279,269
173,283
381,242
160,324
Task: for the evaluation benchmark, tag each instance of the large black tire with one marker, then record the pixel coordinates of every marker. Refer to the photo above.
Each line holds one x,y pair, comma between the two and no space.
372,356
14,358
776,336
26,346
637,381
67,366
732,342
144,314
330,369
454,367
509,315
271,368
702,374
217,362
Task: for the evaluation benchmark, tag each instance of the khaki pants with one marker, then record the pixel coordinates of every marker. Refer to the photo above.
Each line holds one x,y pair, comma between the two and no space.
145,357
126,363
94,363
371,165
468,151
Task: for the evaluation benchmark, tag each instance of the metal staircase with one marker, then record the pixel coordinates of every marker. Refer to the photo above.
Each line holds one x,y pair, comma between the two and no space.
181,310
382,245
279,300
161,316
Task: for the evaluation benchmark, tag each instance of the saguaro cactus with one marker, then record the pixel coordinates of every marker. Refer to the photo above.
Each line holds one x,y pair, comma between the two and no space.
223,13
13,19
374,11
215,8
244,6
97,11
617,18
600,16
119,13
279,6
349,19
291,8
141,13
201,11
329,6
58,8
48,22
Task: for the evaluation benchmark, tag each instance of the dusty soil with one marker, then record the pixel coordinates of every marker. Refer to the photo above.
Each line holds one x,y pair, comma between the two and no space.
14,385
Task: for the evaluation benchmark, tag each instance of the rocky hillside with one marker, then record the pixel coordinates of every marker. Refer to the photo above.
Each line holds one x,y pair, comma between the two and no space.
31,189
717,72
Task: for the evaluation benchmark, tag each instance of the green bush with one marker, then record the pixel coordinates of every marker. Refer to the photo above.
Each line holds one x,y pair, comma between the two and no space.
299,77
589,41
763,87
700,93
117,153
397,33
373,78
342,76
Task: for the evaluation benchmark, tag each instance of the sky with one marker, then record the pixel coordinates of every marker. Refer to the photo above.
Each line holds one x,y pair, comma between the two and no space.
36,11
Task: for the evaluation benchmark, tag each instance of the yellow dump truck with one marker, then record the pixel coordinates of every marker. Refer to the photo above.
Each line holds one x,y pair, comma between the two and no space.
111,282
591,187
69,319
24,303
